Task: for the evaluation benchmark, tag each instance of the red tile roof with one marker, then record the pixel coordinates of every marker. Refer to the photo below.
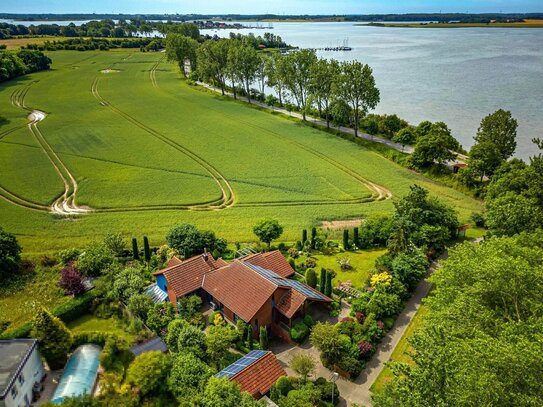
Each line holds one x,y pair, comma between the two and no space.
273,261
174,261
290,303
258,378
184,277
239,288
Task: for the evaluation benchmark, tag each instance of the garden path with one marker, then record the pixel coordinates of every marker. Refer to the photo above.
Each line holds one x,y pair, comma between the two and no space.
359,391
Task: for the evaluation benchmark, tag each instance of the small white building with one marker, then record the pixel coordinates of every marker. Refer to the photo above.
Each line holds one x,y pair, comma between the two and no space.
21,368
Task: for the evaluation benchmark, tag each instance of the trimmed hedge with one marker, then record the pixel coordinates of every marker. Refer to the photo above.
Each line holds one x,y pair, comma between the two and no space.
67,312
79,306
22,331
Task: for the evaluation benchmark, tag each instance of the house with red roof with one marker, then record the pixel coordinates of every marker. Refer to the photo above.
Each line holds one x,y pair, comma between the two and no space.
256,289
255,372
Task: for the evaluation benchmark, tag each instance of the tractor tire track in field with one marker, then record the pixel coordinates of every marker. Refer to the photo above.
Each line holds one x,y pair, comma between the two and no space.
379,193
152,73
9,131
65,204
227,199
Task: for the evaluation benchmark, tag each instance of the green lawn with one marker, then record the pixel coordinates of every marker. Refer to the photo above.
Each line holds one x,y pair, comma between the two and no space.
400,353
134,144
361,260
23,295
90,323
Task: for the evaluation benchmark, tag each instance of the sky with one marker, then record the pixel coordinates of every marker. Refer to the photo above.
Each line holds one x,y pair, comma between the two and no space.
268,6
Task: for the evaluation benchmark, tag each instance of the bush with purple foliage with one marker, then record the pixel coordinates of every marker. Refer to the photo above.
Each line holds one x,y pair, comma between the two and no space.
365,349
360,317
71,281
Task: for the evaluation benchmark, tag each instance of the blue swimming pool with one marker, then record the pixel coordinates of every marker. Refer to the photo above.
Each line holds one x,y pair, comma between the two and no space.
80,373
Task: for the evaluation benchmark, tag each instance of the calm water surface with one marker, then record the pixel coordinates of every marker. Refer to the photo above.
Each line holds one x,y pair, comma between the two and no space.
453,75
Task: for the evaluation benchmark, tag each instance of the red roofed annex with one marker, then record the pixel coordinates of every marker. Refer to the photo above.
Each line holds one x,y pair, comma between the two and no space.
255,372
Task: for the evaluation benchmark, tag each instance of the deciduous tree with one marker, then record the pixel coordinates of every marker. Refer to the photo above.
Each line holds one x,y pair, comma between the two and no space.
298,67
268,230
10,253
225,393
180,49
71,281
404,137
323,74
499,128
436,147
356,86
303,364
213,61
148,372
188,376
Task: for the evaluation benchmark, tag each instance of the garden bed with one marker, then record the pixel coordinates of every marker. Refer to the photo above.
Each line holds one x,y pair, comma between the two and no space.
362,262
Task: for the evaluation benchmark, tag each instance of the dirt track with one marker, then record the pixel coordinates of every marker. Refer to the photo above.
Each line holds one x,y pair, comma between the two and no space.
65,204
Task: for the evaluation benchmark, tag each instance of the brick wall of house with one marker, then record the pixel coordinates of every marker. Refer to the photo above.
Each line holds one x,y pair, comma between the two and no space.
264,317
228,314
172,297
281,333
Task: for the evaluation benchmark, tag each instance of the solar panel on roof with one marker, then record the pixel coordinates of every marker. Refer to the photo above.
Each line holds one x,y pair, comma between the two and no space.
306,290
277,279
241,364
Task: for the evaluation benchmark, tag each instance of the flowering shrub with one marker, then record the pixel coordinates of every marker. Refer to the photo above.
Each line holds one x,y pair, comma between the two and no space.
381,325
218,320
360,317
365,349
310,263
71,281
381,280
293,252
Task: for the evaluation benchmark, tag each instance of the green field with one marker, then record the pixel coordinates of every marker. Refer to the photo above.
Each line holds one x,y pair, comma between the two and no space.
90,323
23,295
144,151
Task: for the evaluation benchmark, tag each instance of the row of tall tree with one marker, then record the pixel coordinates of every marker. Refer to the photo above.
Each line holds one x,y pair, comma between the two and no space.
299,76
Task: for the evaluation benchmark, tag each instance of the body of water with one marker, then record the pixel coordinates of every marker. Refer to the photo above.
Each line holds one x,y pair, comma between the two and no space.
453,75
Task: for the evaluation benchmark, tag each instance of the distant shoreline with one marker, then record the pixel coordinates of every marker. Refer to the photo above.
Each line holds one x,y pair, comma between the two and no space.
527,24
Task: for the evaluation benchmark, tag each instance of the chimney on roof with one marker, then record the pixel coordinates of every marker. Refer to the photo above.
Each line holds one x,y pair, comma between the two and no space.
205,256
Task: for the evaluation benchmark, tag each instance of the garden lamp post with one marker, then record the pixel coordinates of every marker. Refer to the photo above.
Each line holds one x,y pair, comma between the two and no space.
333,379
